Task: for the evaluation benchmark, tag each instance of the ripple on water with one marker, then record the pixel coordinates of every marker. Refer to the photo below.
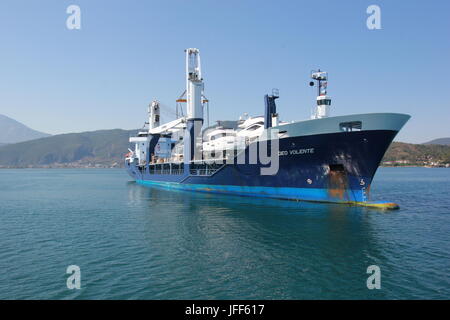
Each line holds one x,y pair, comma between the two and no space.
133,242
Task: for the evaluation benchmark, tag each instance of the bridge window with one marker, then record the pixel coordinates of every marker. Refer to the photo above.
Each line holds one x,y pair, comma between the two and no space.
350,126
326,102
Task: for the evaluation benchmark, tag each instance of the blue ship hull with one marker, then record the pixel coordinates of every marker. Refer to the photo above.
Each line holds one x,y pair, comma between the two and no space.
340,169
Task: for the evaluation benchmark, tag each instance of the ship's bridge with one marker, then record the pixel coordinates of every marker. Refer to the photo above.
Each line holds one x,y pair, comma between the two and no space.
323,101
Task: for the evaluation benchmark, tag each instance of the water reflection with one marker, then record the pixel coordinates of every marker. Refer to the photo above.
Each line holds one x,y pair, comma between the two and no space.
229,243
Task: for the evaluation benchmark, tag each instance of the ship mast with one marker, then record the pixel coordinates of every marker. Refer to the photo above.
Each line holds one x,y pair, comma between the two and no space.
153,115
323,102
194,117
194,84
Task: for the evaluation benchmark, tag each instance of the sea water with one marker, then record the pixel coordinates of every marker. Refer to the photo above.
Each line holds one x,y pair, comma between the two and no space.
136,242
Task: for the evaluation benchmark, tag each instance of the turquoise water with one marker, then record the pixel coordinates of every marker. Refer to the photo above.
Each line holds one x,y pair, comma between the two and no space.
134,242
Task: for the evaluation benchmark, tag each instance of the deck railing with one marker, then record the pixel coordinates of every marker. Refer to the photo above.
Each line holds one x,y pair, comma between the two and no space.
195,168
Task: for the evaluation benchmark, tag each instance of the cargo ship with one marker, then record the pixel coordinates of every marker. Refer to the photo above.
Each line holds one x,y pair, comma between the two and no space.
325,158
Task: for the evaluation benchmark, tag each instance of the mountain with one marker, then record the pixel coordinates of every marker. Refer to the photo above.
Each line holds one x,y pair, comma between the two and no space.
443,141
13,131
102,148
106,148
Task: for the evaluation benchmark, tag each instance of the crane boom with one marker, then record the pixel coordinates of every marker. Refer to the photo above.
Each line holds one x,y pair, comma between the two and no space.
174,125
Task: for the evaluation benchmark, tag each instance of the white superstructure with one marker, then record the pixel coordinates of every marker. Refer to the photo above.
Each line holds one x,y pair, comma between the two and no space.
169,142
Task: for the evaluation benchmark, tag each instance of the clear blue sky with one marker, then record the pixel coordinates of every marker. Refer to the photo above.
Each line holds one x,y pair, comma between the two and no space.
129,52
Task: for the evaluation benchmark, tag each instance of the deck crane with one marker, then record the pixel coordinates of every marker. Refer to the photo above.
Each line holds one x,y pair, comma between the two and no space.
194,113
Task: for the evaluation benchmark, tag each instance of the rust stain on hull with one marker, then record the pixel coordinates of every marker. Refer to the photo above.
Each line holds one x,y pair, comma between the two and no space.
337,183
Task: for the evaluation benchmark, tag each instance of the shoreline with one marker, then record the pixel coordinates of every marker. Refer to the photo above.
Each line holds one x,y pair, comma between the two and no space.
113,167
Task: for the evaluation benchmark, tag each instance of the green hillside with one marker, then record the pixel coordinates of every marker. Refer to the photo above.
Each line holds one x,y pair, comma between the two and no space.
97,148
106,148
400,153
